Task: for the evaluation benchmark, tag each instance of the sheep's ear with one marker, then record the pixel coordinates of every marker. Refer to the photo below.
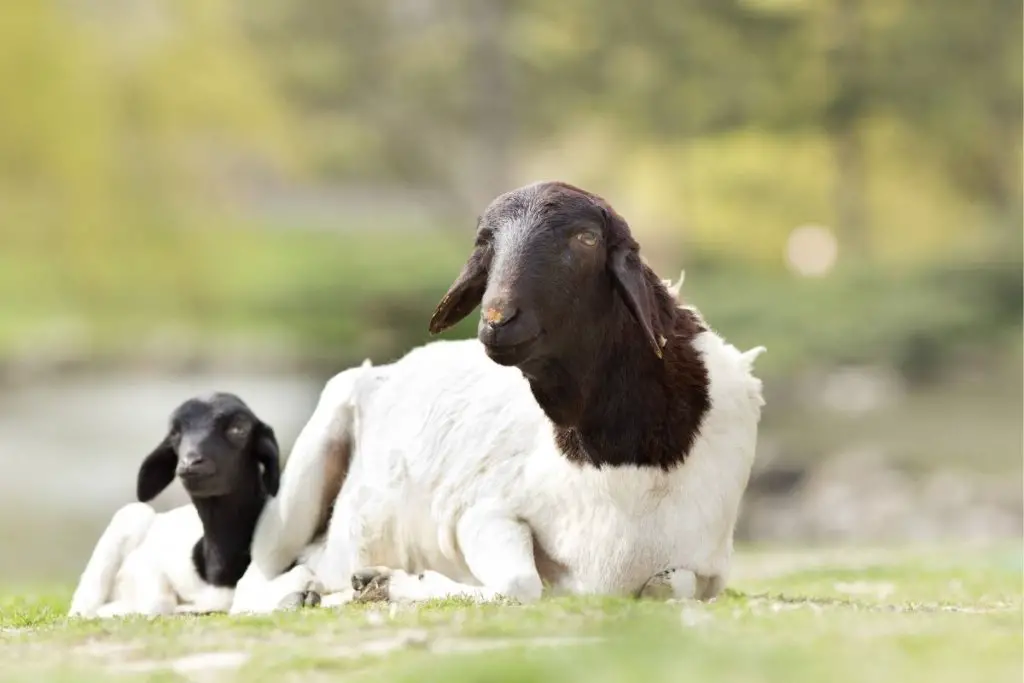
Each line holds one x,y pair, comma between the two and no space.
628,273
268,456
156,471
465,293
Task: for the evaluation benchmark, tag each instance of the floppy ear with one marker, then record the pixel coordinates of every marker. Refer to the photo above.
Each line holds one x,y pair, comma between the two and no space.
465,293
267,454
156,471
628,274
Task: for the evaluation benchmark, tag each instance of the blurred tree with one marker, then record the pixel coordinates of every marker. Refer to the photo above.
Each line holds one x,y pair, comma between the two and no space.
458,97
664,69
843,117
113,115
381,86
952,72
732,122
949,74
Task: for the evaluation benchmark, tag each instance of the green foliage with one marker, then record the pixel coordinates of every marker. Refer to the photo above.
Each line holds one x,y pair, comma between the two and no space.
716,119
129,140
340,298
106,121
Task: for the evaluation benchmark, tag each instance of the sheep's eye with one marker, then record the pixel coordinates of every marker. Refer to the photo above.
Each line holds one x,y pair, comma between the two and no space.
587,237
484,238
238,429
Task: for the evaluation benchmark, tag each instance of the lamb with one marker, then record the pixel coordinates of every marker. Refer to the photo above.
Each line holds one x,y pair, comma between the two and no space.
595,438
188,560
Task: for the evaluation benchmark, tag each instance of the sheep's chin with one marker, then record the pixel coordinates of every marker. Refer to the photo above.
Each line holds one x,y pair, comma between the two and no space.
210,487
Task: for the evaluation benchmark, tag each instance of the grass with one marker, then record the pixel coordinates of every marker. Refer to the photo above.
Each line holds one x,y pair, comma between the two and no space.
807,615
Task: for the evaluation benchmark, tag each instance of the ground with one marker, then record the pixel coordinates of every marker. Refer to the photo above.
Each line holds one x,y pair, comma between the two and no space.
949,614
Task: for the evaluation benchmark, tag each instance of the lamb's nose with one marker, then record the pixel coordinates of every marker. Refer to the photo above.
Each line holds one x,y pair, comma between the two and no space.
499,314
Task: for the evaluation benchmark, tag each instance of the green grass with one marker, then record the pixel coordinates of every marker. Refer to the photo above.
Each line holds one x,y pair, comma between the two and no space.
846,615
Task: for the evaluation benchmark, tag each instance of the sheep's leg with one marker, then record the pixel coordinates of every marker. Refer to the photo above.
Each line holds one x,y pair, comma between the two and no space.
311,479
338,599
125,532
297,587
497,548
383,583
309,484
341,550
681,584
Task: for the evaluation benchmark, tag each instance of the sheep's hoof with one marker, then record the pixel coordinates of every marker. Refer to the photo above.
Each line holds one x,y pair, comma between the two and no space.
681,585
299,599
371,584
659,587
671,584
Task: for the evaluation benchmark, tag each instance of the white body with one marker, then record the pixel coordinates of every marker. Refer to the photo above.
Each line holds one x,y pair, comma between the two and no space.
455,473
142,564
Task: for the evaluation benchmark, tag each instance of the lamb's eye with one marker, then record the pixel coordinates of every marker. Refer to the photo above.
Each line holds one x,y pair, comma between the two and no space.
587,237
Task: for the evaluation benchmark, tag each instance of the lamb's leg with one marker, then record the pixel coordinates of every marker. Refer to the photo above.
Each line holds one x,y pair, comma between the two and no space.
211,600
114,609
147,593
125,532
498,550
681,584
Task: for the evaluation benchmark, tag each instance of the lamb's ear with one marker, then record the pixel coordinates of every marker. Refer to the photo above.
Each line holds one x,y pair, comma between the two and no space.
465,293
156,471
268,455
628,273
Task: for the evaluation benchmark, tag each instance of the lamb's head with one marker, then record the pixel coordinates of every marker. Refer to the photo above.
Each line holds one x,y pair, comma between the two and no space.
217,446
555,268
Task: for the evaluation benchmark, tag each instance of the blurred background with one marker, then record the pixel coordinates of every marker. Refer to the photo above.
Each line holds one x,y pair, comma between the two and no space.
214,194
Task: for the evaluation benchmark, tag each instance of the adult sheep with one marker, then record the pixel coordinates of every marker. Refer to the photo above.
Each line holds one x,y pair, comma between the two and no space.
597,437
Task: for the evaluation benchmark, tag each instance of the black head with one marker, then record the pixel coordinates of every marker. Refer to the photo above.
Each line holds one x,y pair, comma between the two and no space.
215,445
549,260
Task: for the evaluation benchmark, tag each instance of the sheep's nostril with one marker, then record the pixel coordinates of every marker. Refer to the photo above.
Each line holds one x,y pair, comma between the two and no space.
197,466
496,316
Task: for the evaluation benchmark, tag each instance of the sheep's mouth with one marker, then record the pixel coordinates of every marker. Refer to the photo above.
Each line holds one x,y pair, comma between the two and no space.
202,485
511,354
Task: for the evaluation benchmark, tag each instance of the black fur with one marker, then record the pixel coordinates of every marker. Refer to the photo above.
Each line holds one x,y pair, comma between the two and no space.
607,350
222,555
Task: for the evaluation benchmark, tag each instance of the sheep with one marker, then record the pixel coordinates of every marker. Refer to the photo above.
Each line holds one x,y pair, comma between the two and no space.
188,560
595,438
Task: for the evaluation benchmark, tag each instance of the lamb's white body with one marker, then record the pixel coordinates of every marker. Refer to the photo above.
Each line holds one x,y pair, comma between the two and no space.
142,564
455,473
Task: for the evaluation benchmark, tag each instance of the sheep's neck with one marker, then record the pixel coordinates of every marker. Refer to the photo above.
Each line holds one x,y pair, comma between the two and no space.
629,407
221,556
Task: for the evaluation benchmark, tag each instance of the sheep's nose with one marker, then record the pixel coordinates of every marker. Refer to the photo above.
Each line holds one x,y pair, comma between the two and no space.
194,465
499,314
